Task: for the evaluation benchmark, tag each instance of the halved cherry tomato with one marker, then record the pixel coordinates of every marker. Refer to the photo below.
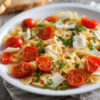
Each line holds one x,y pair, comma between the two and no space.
30,23
89,23
6,58
14,42
46,33
76,77
44,63
30,53
92,63
22,70
51,18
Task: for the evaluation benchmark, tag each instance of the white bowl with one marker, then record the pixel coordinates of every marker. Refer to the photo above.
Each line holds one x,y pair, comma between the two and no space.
42,12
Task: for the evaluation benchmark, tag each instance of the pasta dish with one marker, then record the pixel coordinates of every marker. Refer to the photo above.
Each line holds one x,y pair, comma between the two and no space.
58,52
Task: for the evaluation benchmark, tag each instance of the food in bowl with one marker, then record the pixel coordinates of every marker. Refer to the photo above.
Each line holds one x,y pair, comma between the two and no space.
59,52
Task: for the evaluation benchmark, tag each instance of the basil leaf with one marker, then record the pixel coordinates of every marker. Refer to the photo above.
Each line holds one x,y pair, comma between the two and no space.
36,37
48,84
41,26
61,64
76,65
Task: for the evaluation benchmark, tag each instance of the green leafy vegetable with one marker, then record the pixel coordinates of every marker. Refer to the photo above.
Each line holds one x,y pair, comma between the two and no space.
94,39
38,76
76,65
67,42
61,64
41,49
48,84
66,19
41,26
25,23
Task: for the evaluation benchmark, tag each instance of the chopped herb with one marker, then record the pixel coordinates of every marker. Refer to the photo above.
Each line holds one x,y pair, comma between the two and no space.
76,65
41,26
51,23
35,30
67,42
25,23
41,49
36,37
94,39
61,64
91,31
48,84
91,45
54,66
78,29
38,76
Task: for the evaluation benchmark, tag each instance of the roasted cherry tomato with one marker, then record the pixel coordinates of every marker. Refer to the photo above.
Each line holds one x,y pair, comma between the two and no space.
89,23
22,70
46,33
30,23
51,18
44,63
14,42
92,63
30,53
76,77
6,58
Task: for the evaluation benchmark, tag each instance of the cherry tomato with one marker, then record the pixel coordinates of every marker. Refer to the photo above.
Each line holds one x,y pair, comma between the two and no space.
92,63
30,53
22,70
44,63
14,42
76,77
51,18
89,23
30,23
46,33
6,58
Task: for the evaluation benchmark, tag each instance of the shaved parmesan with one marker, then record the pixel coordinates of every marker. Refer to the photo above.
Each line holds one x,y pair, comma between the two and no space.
27,35
57,79
67,26
95,53
79,41
97,72
97,33
10,49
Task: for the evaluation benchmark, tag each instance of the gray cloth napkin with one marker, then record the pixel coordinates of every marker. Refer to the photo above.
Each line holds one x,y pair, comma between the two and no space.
17,94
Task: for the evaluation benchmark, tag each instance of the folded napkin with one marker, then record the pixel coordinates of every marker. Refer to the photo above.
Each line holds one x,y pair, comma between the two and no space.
17,94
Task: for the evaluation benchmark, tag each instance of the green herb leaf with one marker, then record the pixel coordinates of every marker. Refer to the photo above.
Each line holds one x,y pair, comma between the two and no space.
66,19
61,64
36,37
63,40
76,65
41,49
41,26
94,39
25,23
38,76
48,84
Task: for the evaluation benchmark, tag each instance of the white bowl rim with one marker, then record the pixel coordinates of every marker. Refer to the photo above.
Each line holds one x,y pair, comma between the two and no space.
46,91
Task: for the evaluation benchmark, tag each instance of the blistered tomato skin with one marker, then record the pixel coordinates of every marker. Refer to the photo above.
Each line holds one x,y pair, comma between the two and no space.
44,63
76,77
89,23
28,23
46,33
30,53
22,70
14,42
92,64
6,58
51,18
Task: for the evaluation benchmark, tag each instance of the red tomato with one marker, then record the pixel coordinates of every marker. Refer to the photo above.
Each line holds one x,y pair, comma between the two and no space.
51,18
6,58
30,23
14,42
30,53
22,70
92,63
76,77
44,63
89,23
46,33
